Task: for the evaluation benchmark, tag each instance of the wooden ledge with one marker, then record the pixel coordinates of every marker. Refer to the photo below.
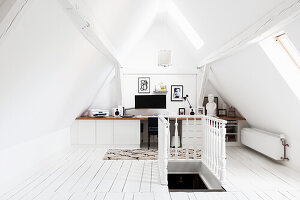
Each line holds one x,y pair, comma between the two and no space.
146,118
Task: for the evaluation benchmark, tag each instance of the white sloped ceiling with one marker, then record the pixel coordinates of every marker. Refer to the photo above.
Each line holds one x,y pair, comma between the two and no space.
249,81
49,73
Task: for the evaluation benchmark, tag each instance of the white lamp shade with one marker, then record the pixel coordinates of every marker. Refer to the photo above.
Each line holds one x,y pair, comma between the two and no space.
164,58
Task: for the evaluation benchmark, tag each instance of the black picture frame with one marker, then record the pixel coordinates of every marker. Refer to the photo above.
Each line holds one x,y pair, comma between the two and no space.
216,100
143,85
181,111
222,112
174,95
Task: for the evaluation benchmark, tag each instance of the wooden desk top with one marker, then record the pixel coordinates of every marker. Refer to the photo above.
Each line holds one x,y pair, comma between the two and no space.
146,118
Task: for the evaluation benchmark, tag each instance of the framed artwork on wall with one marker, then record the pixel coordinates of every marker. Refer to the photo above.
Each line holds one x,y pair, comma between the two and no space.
176,92
143,84
181,111
222,112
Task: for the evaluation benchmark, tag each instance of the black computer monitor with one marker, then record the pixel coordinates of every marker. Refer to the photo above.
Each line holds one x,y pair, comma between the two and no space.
150,101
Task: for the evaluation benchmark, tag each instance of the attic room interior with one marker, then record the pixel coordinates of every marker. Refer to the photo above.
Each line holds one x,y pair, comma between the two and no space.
149,99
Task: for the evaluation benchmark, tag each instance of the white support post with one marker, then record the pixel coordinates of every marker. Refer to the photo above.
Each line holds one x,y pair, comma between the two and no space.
202,83
195,145
176,139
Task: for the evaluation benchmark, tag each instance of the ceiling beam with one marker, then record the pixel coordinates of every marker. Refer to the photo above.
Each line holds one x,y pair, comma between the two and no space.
10,10
90,31
280,16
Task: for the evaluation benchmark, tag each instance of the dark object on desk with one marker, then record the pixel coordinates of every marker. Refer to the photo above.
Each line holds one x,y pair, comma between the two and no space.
150,102
127,116
152,128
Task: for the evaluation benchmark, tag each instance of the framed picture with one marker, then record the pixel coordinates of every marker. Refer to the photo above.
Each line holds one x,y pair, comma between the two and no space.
205,101
200,111
181,111
222,112
176,92
144,85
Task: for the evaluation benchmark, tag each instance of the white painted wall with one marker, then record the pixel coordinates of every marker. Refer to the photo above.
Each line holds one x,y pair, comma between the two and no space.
249,81
49,74
131,89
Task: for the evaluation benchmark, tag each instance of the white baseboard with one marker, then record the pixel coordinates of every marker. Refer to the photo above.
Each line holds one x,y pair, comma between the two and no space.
19,162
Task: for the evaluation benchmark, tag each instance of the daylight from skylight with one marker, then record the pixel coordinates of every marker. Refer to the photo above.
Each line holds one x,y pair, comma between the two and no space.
185,26
286,58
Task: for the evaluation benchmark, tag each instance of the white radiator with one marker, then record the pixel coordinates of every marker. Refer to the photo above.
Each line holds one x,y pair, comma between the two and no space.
269,144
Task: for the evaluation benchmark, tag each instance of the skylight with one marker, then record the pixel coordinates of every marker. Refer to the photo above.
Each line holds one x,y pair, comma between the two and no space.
286,58
184,25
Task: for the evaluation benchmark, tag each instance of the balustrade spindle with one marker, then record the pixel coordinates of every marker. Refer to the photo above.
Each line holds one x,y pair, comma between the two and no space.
195,144
176,138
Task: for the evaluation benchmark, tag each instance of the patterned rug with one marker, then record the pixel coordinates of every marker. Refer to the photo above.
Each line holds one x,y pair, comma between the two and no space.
145,154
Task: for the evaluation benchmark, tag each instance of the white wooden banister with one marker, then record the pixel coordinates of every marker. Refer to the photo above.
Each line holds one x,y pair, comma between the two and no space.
213,152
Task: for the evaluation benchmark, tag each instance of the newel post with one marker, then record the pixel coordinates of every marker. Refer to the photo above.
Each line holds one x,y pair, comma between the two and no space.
223,153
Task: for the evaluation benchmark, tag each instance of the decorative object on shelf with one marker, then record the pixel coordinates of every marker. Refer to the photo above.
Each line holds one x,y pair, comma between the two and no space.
165,58
200,111
231,112
192,110
160,88
211,106
222,112
176,92
144,85
181,111
205,101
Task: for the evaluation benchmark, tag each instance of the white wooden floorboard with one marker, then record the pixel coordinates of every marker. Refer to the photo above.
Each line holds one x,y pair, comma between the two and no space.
191,196
239,195
62,157
100,196
67,173
290,176
144,196
93,184
146,177
162,195
42,179
128,196
252,195
287,195
42,186
109,178
82,174
179,196
114,196
88,176
266,179
134,178
263,195
78,173
121,177
295,193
